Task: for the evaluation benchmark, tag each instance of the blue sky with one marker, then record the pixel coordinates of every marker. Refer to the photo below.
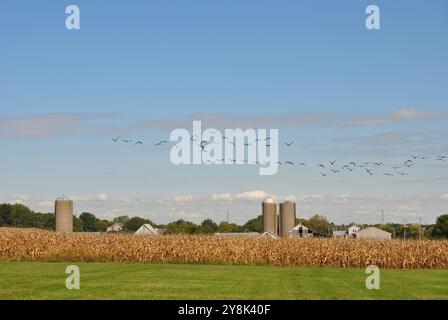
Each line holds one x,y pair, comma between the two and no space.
138,69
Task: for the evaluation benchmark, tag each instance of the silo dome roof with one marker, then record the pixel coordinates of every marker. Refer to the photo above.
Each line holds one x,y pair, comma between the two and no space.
62,198
269,200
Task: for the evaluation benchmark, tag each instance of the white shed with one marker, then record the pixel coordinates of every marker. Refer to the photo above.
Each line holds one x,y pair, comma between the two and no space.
300,231
148,230
339,234
116,227
352,230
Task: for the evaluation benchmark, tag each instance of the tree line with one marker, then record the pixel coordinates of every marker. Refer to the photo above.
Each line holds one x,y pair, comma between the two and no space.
18,215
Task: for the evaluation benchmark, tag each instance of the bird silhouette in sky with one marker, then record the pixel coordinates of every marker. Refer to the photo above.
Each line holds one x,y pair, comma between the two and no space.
161,143
409,163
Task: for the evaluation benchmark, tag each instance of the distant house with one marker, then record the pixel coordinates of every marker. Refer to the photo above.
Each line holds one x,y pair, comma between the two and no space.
300,231
339,234
373,233
237,234
352,230
116,227
268,234
148,230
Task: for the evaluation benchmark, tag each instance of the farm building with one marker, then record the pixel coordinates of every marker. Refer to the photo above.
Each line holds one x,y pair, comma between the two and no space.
116,227
373,233
148,230
300,231
352,230
268,234
339,234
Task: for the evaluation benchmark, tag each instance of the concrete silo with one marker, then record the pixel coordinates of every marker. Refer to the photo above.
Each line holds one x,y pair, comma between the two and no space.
63,209
270,216
287,218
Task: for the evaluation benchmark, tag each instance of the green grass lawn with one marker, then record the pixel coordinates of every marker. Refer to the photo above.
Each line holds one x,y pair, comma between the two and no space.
35,280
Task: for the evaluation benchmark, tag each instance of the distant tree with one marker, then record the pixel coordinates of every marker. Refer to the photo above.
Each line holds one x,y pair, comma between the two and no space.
181,226
254,225
121,219
90,221
441,227
208,226
20,216
101,225
318,224
386,227
78,224
429,231
224,227
44,220
229,227
413,231
5,217
136,222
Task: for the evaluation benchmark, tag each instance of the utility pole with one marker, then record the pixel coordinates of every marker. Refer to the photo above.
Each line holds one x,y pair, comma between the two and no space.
228,217
382,216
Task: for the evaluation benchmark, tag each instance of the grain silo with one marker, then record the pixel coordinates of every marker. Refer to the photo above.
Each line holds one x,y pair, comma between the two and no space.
287,218
270,216
63,209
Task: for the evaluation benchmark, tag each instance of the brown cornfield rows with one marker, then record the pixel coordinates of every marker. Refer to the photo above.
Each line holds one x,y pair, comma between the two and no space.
34,245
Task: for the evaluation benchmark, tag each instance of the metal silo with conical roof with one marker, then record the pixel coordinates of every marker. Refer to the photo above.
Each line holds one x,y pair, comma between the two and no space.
63,209
270,216
287,218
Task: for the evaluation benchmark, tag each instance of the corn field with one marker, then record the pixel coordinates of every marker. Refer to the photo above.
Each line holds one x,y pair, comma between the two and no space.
36,245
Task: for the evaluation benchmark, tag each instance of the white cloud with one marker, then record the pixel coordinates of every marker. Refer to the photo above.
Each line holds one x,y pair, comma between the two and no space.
46,204
183,199
60,124
399,115
18,199
222,197
21,197
50,125
252,195
101,197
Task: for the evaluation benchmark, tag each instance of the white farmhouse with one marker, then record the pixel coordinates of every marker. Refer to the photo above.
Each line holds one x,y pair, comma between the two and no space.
116,227
353,230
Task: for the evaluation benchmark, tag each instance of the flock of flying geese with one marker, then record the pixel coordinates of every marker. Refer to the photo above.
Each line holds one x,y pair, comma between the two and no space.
326,168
